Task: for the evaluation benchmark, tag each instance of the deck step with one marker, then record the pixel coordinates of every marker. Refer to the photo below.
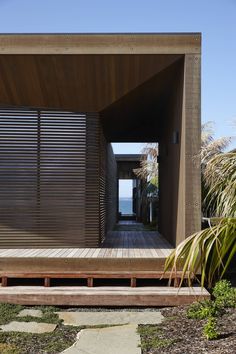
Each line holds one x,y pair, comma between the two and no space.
102,296
91,275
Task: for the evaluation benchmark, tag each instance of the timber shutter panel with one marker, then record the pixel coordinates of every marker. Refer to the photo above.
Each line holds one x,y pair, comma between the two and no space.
42,178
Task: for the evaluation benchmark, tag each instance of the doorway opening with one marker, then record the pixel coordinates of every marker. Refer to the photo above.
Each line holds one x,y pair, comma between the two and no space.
137,183
126,197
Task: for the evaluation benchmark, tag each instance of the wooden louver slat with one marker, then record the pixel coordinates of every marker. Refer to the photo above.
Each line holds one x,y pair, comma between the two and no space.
42,178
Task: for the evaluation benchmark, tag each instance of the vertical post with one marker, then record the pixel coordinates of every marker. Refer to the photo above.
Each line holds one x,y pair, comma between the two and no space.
47,282
38,170
90,282
4,281
133,282
192,111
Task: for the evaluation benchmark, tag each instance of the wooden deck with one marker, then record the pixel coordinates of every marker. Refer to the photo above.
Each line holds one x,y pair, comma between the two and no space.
118,244
122,251
130,255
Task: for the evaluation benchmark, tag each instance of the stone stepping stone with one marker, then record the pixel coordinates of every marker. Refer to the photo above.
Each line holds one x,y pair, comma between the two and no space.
110,340
29,312
110,318
28,327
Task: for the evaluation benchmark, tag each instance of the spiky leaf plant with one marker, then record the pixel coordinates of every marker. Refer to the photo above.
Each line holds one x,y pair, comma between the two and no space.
209,251
220,177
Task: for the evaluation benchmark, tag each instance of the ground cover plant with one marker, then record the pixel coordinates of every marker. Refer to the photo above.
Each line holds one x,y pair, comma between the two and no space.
204,327
22,343
54,342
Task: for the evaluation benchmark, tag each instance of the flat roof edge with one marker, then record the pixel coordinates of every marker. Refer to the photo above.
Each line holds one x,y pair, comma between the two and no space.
101,43
101,33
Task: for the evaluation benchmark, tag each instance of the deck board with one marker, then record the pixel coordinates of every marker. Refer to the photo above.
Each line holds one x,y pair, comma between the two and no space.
102,296
118,244
139,253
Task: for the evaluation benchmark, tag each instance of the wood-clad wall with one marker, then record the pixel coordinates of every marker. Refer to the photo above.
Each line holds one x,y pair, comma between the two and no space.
42,178
171,182
57,179
102,186
179,171
111,189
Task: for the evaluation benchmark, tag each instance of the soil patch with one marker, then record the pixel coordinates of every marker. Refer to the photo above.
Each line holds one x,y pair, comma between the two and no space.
178,334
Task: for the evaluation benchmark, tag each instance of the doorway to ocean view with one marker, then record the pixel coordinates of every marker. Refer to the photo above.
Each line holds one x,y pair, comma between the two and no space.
126,187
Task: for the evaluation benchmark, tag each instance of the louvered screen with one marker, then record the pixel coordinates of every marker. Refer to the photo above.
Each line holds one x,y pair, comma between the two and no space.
102,196
92,219
42,178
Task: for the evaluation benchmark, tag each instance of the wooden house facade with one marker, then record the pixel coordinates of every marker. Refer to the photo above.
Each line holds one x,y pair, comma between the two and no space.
64,98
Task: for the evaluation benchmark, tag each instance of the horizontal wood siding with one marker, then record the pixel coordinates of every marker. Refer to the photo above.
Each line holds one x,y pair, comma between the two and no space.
92,217
42,178
103,186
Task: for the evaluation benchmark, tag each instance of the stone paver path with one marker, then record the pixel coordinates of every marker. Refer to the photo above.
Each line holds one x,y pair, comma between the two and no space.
110,318
111,340
29,327
30,312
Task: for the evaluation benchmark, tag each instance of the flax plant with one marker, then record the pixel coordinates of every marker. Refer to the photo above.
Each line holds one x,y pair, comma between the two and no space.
210,251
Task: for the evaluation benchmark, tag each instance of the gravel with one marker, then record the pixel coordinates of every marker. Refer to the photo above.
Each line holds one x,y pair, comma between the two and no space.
188,336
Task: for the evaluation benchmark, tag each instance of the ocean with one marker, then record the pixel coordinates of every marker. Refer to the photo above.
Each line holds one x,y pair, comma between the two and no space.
125,205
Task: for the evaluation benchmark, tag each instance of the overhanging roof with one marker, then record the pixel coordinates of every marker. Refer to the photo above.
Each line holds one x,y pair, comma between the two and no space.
101,43
117,75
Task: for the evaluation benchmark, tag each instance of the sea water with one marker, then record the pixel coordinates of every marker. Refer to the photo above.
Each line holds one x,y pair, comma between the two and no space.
125,205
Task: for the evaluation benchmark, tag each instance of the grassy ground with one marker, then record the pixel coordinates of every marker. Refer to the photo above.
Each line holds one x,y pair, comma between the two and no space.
28,343
22,343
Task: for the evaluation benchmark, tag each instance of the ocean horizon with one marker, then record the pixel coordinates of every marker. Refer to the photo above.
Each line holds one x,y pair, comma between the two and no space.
126,205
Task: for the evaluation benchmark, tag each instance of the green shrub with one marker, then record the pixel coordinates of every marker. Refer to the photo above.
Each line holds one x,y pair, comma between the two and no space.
152,338
204,309
225,295
210,329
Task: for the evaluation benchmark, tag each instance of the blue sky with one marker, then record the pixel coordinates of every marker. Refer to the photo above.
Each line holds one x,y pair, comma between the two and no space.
216,19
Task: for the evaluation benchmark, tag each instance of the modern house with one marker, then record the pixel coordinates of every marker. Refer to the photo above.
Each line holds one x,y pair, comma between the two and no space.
64,98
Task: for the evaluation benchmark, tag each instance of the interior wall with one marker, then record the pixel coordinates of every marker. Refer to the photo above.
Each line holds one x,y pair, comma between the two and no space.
171,204
111,189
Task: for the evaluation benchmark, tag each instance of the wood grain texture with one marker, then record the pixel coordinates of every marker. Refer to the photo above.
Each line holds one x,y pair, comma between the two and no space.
79,83
136,84
192,112
92,205
111,193
118,244
157,43
102,296
42,178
